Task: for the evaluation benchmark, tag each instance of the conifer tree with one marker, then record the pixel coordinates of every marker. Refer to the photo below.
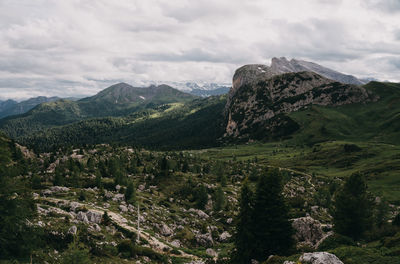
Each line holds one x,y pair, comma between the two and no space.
271,227
243,235
219,199
130,193
353,208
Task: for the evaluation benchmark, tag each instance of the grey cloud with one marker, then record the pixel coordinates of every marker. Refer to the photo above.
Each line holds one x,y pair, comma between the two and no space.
389,6
79,47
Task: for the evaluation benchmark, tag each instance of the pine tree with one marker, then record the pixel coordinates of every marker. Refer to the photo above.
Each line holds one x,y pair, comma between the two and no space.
36,182
201,196
219,199
243,235
130,193
99,183
58,178
353,208
271,227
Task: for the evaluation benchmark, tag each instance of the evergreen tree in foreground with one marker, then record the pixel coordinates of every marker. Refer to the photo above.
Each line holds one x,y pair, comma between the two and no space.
353,208
243,235
271,227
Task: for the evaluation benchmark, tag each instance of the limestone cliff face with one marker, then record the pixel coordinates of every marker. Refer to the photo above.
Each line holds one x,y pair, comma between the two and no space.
260,98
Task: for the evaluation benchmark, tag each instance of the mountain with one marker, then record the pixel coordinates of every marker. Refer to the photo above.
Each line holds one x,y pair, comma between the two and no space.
256,72
4,105
258,108
15,108
117,100
207,93
282,65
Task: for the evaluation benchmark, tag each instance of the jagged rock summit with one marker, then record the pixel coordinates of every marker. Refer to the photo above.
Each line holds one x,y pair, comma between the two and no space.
261,97
282,65
250,73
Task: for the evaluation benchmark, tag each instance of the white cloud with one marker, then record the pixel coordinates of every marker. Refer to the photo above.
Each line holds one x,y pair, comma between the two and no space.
73,47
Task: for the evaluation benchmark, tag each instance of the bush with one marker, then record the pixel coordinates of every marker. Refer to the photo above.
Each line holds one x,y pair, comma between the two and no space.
377,233
148,252
396,220
126,248
392,241
335,241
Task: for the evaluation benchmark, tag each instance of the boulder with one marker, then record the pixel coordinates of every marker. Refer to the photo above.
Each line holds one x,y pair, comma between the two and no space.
72,230
123,208
308,230
211,252
224,236
59,189
94,217
81,216
204,240
176,243
200,213
319,258
118,197
165,230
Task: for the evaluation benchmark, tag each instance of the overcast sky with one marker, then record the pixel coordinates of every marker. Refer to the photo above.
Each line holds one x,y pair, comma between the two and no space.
77,47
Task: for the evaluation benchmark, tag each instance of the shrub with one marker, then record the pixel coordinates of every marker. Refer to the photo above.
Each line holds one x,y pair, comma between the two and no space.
126,248
396,220
335,241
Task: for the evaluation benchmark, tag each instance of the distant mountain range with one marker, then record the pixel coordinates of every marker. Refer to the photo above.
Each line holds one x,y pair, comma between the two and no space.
11,107
117,100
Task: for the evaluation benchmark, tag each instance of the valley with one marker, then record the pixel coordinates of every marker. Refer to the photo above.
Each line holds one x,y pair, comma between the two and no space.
156,175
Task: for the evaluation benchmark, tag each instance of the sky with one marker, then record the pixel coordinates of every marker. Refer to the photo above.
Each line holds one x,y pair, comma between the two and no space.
78,47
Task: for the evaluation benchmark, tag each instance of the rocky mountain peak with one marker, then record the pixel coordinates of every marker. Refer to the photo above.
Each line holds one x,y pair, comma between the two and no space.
262,96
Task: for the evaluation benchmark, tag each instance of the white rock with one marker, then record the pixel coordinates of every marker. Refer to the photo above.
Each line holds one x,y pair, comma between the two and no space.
224,236
211,252
72,230
81,216
176,243
165,230
118,187
123,208
94,217
308,230
320,258
59,189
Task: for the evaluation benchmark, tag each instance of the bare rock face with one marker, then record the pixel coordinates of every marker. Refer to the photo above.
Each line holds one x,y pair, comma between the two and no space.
261,97
320,258
308,230
165,230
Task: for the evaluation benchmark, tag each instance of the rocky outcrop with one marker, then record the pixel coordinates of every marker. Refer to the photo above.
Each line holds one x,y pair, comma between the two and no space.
308,231
260,100
282,65
319,258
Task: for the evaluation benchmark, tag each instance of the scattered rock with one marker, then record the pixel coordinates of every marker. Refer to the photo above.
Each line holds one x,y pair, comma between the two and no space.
308,230
176,243
123,208
59,189
320,258
81,216
72,230
224,236
229,221
165,230
204,240
94,217
200,213
118,197
211,252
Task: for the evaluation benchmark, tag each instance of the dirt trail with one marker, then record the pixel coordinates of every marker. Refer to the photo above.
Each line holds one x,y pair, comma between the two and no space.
120,221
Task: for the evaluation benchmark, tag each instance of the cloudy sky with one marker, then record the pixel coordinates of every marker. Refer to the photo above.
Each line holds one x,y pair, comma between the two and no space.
77,47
